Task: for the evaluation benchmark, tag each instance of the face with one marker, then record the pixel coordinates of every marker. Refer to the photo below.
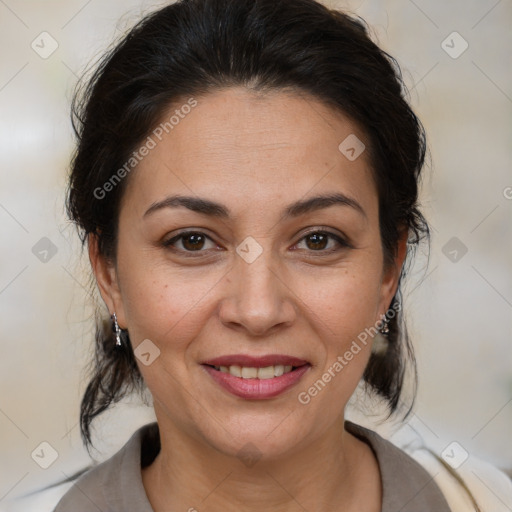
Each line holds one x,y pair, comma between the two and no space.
256,275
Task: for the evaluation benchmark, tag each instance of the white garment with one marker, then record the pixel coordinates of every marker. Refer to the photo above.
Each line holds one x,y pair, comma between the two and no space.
491,488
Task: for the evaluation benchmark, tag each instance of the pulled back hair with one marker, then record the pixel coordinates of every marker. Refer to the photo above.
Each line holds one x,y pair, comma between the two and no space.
193,47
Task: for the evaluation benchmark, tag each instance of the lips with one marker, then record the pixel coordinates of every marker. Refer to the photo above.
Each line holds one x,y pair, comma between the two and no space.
256,361
288,371
256,389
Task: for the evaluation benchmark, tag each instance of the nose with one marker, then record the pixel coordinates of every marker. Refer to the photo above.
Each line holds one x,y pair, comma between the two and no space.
258,301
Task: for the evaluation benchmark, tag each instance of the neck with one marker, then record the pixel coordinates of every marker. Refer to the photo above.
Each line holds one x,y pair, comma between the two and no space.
331,473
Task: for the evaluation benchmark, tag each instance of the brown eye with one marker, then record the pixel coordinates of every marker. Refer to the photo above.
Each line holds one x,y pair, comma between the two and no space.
191,241
319,241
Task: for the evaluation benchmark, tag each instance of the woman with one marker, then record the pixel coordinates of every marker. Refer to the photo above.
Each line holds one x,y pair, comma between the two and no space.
246,181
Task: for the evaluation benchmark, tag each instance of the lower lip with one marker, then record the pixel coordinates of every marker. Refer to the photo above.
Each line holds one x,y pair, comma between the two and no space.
257,389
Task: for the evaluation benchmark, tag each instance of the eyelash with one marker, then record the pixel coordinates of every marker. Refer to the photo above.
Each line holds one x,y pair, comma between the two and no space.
322,252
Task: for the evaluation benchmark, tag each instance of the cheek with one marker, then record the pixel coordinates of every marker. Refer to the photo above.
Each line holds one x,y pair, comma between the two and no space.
342,309
162,303
344,301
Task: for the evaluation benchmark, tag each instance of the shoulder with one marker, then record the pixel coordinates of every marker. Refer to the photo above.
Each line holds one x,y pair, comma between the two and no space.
87,492
113,483
406,485
491,488
457,474
91,490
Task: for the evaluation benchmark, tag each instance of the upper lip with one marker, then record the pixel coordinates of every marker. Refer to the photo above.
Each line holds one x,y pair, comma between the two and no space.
255,361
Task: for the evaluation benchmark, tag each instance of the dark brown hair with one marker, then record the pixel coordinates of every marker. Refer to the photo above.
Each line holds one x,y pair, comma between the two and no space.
193,47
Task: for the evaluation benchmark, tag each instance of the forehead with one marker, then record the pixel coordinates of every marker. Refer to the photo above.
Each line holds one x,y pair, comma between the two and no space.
252,147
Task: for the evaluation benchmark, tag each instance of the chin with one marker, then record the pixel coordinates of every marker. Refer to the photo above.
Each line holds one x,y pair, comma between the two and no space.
251,441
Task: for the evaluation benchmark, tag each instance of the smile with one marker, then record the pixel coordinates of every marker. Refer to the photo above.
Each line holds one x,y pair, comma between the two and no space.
248,372
256,383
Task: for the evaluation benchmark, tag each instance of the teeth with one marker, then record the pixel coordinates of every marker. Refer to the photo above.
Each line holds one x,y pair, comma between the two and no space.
246,372
264,373
279,370
249,373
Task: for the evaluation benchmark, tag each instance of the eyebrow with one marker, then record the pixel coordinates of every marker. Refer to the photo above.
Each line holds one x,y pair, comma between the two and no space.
214,209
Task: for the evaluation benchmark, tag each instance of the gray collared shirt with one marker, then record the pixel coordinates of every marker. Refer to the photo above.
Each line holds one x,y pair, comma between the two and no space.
116,485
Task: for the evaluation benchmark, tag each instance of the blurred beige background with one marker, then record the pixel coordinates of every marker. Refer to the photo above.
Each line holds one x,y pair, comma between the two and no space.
459,308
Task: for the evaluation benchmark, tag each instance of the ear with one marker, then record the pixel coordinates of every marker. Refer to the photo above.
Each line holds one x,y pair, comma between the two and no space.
391,274
107,280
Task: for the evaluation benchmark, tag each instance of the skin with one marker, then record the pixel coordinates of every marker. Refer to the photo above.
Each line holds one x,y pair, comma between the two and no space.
256,155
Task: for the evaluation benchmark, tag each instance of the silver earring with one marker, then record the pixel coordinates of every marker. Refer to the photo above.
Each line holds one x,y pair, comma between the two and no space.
380,343
380,340
116,330
384,330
